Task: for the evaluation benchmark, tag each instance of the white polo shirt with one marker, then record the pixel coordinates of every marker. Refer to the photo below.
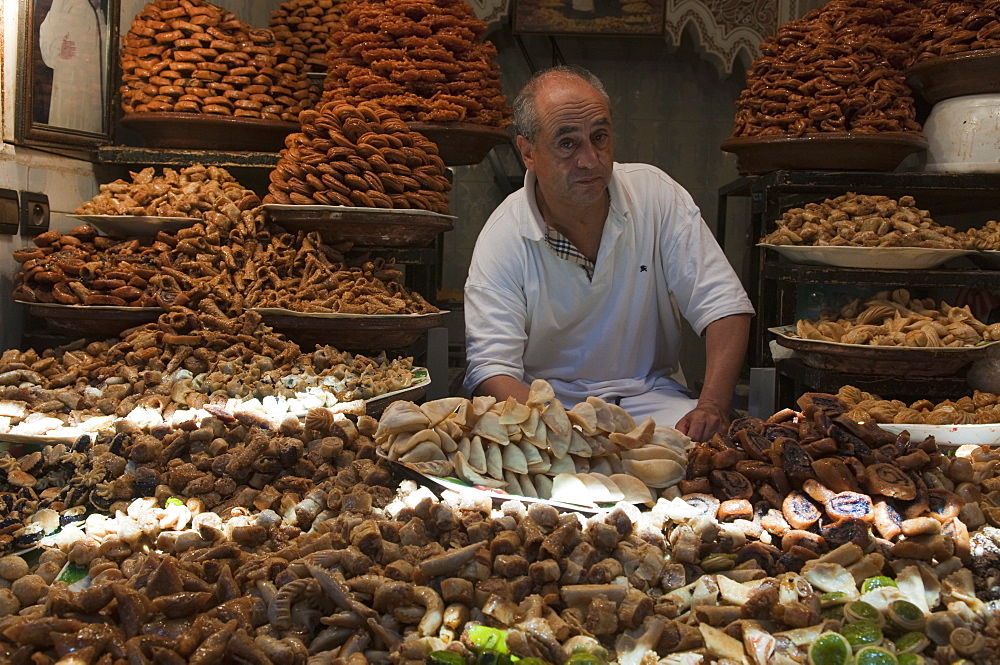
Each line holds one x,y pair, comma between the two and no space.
532,315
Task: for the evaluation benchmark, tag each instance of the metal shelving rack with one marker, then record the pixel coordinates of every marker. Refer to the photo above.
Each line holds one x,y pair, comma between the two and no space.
772,282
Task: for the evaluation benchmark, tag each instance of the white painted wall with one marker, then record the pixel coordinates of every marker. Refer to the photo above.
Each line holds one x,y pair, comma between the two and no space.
67,182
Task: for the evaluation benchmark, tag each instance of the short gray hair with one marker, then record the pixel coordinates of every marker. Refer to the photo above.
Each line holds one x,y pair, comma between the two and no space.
525,113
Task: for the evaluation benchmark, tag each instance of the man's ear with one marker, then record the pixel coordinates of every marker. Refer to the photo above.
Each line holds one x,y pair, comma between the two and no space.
527,151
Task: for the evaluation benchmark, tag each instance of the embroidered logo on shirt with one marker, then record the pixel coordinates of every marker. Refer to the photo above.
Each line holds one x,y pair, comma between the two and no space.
642,268
566,250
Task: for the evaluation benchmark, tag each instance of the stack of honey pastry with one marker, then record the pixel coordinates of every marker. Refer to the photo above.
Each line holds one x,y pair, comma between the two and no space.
838,68
958,27
361,156
305,27
194,57
419,59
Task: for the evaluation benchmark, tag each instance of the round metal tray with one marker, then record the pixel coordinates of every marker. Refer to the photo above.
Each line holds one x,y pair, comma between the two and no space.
206,131
956,75
358,333
901,361
364,227
461,143
92,322
832,151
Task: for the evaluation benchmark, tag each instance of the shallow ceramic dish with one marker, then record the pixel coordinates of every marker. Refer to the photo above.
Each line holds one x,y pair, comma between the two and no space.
902,258
92,321
950,435
880,360
207,131
956,75
351,332
461,143
365,227
987,258
123,226
828,151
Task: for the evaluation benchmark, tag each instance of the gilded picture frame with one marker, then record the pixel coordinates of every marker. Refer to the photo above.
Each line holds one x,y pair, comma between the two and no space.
590,17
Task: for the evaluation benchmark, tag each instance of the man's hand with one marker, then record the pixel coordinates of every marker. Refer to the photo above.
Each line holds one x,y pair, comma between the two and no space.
702,422
68,49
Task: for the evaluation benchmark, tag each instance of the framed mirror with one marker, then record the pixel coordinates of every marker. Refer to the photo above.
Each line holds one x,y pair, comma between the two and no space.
67,59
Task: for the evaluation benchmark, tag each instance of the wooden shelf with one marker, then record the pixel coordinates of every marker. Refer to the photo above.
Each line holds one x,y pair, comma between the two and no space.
130,155
797,273
802,378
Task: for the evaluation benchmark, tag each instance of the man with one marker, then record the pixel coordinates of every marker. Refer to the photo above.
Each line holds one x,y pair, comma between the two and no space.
573,277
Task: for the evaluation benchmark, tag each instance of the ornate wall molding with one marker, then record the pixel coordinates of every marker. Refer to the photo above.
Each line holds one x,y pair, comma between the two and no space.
724,28
727,28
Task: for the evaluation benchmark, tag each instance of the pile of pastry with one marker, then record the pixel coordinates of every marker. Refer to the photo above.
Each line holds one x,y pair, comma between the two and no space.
195,57
305,26
422,60
838,68
958,27
362,156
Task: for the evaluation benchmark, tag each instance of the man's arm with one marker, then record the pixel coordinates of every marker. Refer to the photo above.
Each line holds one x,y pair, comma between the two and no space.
725,347
503,386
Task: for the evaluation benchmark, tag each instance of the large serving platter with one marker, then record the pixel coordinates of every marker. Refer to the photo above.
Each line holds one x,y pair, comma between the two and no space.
461,143
950,435
351,332
838,151
888,258
987,258
97,321
136,225
207,131
956,75
881,360
365,227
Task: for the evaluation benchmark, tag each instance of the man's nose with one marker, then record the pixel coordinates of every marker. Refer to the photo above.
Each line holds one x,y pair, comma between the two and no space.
587,156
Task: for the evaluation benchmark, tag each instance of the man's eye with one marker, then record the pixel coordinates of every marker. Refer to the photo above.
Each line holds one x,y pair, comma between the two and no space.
566,144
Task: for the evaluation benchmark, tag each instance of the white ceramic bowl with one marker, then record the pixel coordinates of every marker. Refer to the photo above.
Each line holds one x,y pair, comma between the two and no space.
963,135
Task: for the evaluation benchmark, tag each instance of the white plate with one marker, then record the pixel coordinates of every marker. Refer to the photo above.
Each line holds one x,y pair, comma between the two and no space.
950,435
136,225
338,315
886,258
989,258
281,211
788,333
88,308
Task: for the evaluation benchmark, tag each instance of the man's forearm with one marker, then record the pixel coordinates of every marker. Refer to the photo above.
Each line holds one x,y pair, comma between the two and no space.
725,348
503,386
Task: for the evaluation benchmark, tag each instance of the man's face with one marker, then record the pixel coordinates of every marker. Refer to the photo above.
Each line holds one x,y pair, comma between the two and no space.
573,154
